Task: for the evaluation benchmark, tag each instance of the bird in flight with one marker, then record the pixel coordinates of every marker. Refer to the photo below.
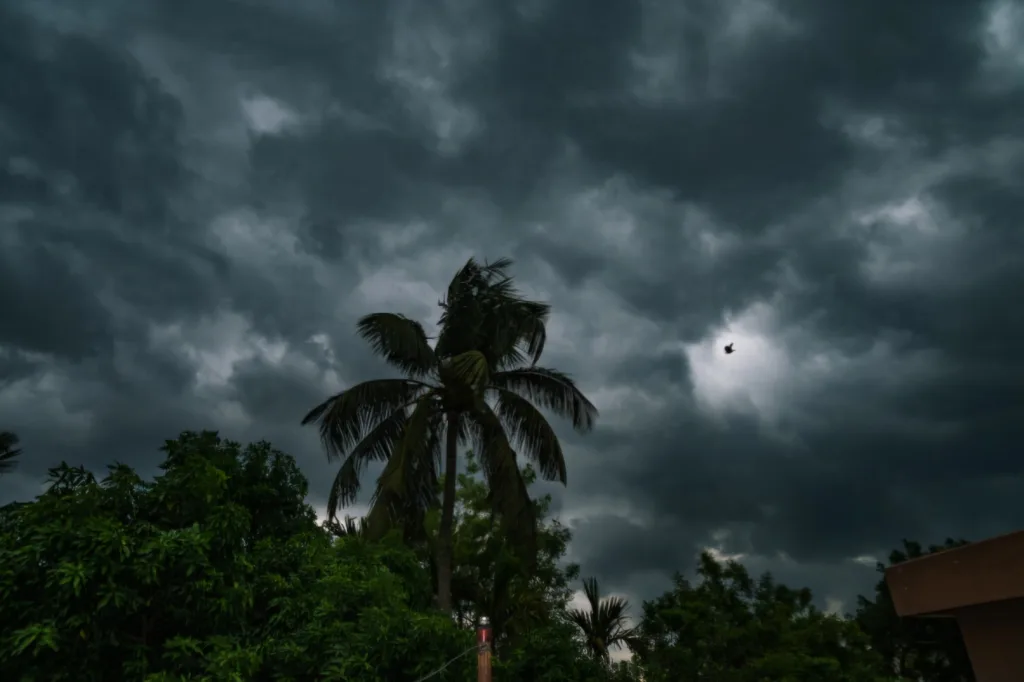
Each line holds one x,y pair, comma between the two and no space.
729,349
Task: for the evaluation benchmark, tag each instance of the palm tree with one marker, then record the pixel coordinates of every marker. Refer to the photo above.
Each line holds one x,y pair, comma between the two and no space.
350,527
478,383
9,450
604,625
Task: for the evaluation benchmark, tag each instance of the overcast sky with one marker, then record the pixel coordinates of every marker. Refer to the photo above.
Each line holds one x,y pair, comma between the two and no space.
199,197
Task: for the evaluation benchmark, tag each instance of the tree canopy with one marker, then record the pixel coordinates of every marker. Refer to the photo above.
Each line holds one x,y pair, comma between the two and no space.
731,627
216,569
491,577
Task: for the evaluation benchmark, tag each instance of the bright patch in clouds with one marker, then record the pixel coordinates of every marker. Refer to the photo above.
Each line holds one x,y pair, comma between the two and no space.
755,379
1003,38
834,606
258,239
42,399
865,560
720,537
747,19
268,116
391,289
775,370
875,131
216,345
910,243
410,286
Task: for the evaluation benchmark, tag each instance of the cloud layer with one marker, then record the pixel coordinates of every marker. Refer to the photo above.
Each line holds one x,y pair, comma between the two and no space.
197,200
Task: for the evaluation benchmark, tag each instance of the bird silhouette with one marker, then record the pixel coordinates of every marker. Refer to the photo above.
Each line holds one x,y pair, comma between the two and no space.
729,349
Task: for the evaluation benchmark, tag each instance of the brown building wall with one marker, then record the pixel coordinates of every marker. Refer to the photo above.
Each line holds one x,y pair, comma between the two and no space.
982,586
994,635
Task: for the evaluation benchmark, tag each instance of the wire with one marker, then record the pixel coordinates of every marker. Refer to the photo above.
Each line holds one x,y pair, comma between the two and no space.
450,661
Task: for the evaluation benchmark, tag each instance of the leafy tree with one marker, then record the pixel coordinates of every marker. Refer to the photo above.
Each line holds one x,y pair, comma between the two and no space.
9,451
215,570
478,383
552,652
730,627
604,624
914,648
533,637
490,577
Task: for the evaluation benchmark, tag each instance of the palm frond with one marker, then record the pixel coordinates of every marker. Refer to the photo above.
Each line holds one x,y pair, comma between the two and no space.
549,389
400,341
531,434
345,418
592,593
498,268
604,625
613,611
379,520
9,451
417,448
523,327
582,620
509,495
377,445
350,527
408,485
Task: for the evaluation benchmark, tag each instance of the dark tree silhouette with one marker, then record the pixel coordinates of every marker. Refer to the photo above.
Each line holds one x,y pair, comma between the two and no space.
9,451
604,624
479,383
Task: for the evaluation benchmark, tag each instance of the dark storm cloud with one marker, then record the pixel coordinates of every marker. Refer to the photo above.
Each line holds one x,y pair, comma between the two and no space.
649,548
343,175
760,151
91,171
83,123
867,494
180,253
45,315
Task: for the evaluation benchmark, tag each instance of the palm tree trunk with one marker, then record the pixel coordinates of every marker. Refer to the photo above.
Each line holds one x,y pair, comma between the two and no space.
444,532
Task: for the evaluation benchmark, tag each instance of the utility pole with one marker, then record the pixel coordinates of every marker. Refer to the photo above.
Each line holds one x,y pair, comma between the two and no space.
483,652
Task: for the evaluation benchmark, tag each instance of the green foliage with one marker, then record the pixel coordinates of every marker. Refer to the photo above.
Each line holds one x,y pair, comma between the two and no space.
914,648
215,570
535,638
730,627
491,577
550,652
